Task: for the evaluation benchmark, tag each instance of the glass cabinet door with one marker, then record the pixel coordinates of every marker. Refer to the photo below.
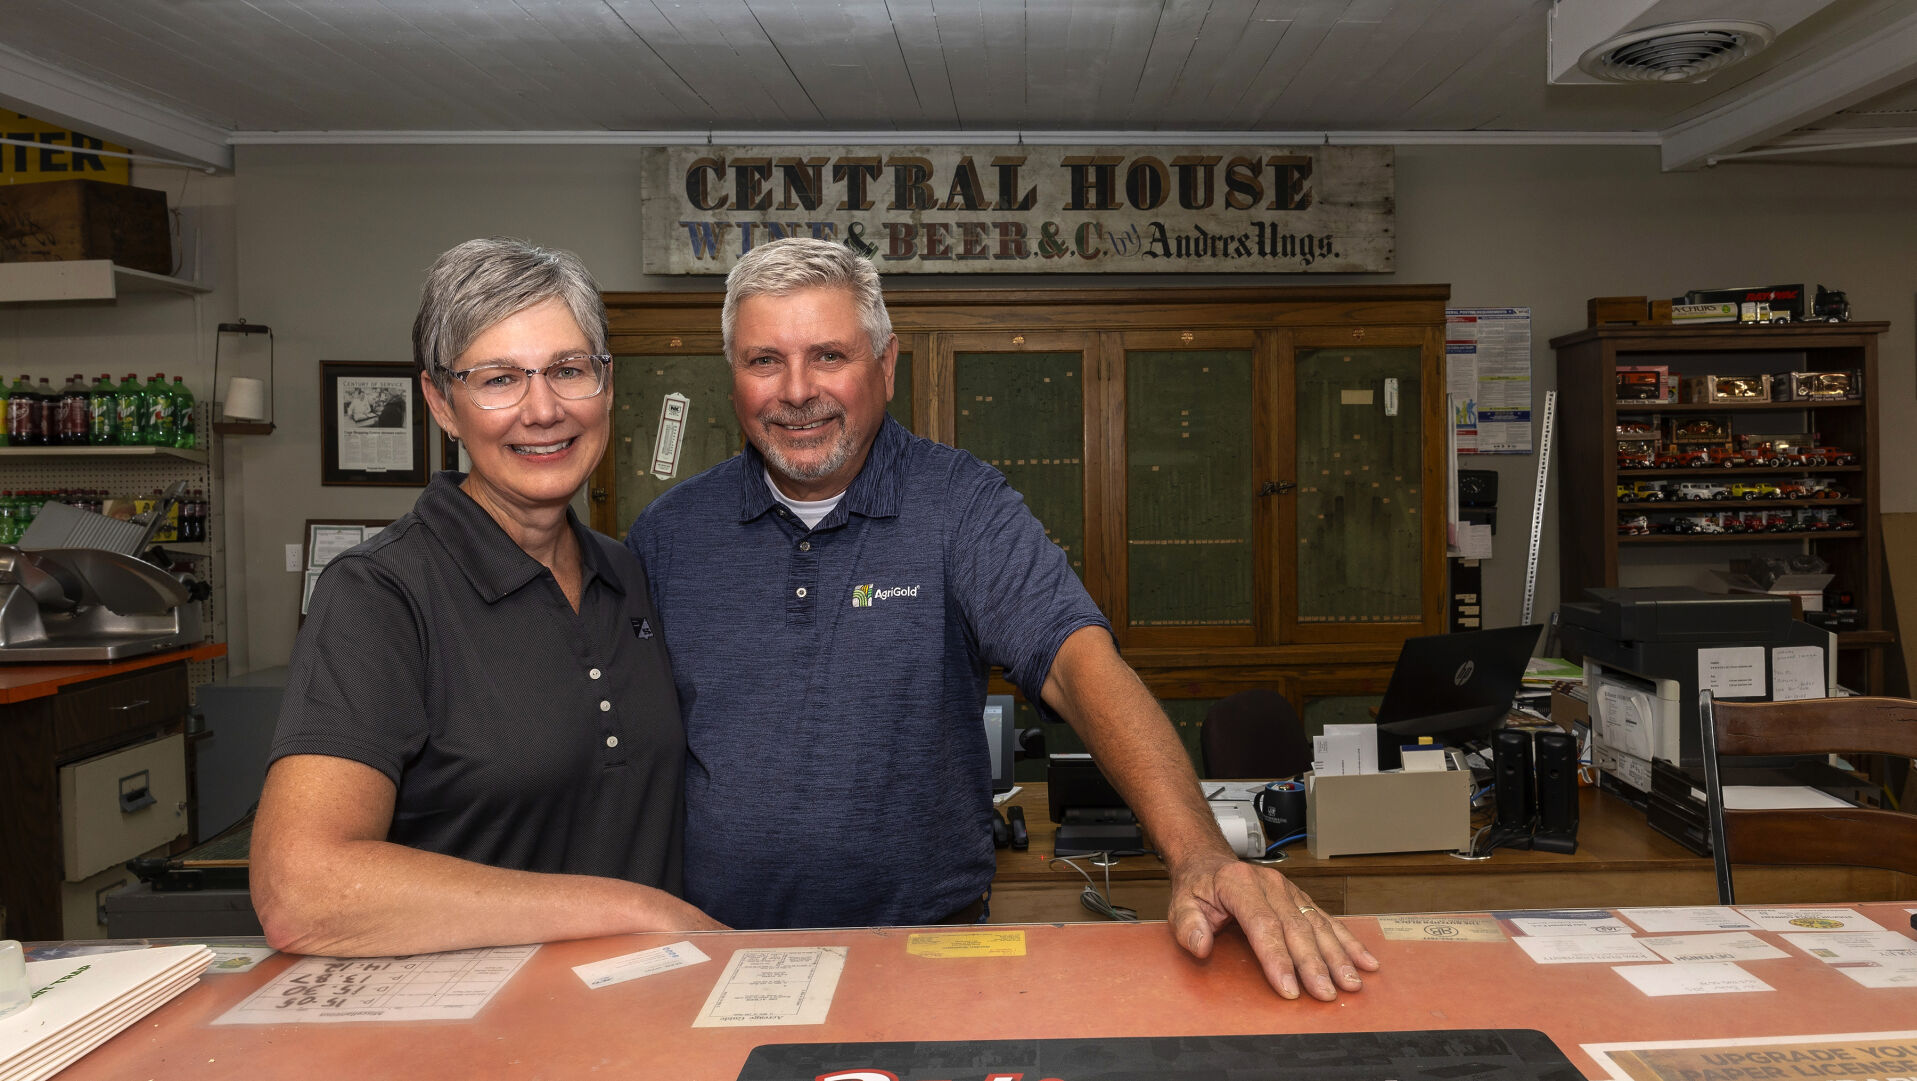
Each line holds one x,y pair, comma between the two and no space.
1018,403
1357,443
1191,502
692,390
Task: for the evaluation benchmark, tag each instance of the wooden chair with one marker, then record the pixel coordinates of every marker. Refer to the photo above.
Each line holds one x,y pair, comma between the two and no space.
1254,734
1821,836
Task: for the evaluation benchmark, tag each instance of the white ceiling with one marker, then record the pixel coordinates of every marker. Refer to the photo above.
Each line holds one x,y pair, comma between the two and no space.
190,78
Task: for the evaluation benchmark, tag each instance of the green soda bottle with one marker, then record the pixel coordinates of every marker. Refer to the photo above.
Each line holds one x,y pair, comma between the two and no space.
101,418
160,424
5,394
129,412
184,426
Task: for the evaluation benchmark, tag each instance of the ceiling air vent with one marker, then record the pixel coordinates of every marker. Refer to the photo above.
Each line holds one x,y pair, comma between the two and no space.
1674,52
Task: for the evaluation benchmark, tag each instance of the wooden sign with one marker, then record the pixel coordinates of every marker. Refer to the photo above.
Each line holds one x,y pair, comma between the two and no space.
1028,209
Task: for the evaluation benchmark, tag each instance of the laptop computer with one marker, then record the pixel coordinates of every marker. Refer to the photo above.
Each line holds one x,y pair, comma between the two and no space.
1457,685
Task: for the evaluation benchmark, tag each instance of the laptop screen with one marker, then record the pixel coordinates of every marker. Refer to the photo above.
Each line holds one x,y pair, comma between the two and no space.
1456,683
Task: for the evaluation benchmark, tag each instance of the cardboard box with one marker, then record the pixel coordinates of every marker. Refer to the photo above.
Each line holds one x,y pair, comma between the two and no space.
58,220
1599,311
1703,313
1389,812
1781,298
1711,389
1817,386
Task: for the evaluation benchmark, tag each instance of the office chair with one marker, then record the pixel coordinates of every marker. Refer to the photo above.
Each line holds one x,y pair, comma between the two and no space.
1253,734
1812,836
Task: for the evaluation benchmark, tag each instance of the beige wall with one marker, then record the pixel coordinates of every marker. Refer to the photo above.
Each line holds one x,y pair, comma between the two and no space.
332,244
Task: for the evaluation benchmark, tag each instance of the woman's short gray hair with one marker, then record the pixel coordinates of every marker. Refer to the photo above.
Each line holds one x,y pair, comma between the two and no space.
476,284
786,266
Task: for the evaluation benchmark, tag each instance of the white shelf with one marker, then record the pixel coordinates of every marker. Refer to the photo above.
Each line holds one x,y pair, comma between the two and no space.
84,279
181,453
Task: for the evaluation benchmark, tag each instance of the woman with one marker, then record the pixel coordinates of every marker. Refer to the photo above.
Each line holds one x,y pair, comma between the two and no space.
480,741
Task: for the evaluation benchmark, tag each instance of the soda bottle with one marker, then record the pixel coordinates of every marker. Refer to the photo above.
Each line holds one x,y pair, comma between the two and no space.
7,535
185,427
46,410
20,412
6,426
161,428
74,400
100,412
129,411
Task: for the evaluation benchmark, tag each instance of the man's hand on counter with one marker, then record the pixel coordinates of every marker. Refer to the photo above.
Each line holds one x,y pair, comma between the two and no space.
1295,942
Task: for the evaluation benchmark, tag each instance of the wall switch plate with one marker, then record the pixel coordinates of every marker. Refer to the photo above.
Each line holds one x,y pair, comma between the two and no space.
293,558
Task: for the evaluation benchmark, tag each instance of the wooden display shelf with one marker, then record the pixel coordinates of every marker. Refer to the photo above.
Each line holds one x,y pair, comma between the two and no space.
1672,538
1626,406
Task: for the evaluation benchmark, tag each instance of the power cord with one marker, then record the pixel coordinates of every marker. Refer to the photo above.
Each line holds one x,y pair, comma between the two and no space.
1093,900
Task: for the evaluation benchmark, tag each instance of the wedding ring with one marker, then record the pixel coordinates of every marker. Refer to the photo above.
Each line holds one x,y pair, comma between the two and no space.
1304,911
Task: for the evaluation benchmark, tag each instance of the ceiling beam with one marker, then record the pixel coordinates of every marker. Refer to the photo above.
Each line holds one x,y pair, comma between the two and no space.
1883,60
49,94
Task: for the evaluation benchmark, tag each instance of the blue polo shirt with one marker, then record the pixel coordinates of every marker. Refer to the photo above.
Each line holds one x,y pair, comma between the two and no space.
832,679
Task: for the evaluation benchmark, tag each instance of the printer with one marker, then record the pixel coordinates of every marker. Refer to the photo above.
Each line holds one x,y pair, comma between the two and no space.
74,590
1648,652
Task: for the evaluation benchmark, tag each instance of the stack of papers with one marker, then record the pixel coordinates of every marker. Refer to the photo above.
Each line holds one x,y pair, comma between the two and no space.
81,1002
1541,672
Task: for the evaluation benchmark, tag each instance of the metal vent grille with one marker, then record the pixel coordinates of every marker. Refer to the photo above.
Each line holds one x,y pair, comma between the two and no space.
1674,52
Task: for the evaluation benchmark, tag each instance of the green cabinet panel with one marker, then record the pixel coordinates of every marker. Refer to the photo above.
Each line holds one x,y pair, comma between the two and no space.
1023,413
901,404
640,385
1189,488
1359,439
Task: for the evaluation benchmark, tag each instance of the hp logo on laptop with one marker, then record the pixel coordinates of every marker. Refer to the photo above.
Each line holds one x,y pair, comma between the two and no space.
1464,673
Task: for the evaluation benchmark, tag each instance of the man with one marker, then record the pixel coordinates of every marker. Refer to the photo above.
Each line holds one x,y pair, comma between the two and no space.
833,599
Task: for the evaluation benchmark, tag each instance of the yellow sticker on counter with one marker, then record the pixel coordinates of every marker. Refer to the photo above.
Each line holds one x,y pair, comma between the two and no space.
967,944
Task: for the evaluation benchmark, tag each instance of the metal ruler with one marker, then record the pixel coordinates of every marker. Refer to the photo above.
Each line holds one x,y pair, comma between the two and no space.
1537,506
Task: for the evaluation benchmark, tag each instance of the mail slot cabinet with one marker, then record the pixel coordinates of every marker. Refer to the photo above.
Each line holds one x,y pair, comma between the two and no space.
92,774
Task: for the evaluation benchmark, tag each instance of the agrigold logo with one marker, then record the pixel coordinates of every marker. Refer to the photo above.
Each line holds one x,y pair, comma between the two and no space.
864,596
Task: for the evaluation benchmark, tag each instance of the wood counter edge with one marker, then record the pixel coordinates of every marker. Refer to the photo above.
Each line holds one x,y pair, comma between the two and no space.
21,683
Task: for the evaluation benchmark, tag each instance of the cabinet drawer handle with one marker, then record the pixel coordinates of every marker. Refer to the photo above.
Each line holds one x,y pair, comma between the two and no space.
136,795
135,705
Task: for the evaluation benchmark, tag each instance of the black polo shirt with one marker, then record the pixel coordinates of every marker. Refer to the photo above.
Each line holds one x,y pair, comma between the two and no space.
518,733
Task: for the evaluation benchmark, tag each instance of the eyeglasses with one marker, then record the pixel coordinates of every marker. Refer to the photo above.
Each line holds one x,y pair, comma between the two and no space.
502,386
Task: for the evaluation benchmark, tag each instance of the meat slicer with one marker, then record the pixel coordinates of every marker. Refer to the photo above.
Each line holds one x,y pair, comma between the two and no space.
75,589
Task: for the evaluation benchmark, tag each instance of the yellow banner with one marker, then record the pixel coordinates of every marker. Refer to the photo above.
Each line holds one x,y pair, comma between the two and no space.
1831,1058
967,944
60,155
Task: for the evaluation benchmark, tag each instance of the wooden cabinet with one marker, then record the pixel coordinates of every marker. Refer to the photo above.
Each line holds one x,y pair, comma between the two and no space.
1840,527
93,775
1249,481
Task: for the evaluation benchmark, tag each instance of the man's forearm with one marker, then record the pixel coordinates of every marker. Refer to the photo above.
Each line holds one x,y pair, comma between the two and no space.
1135,746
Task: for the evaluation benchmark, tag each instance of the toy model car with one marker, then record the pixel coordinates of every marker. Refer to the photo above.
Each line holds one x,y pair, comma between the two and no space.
1778,522
1836,456
1698,523
1653,491
1633,526
1812,456
1756,489
1702,489
1635,459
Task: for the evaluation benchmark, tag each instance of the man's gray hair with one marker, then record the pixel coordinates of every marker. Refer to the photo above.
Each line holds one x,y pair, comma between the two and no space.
474,285
786,266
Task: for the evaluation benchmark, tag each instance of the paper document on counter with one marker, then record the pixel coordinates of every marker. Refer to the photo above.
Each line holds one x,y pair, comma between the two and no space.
774,987
1704,979
450,986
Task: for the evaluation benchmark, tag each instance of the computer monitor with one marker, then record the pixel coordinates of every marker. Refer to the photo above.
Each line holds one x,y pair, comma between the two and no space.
1455,686
1092,816
1001,738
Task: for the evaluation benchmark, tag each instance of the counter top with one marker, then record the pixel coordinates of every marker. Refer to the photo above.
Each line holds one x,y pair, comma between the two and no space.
20,682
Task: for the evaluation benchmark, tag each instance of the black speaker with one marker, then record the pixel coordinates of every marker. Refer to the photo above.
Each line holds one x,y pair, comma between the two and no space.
1516,799
1557,772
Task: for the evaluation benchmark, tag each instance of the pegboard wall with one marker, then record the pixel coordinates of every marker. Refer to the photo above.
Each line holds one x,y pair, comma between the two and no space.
122,474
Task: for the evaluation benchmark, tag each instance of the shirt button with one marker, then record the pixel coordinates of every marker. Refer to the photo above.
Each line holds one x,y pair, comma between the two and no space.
594,673
612,741
801,591
805,546
605,706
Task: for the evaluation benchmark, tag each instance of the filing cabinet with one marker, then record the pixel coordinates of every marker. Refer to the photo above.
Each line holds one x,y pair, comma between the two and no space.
92,774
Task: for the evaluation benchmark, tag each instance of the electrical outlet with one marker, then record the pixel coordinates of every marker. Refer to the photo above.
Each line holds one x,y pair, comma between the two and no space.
293,558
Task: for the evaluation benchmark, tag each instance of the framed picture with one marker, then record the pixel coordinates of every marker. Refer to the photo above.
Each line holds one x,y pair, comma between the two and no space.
372,424
325,539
